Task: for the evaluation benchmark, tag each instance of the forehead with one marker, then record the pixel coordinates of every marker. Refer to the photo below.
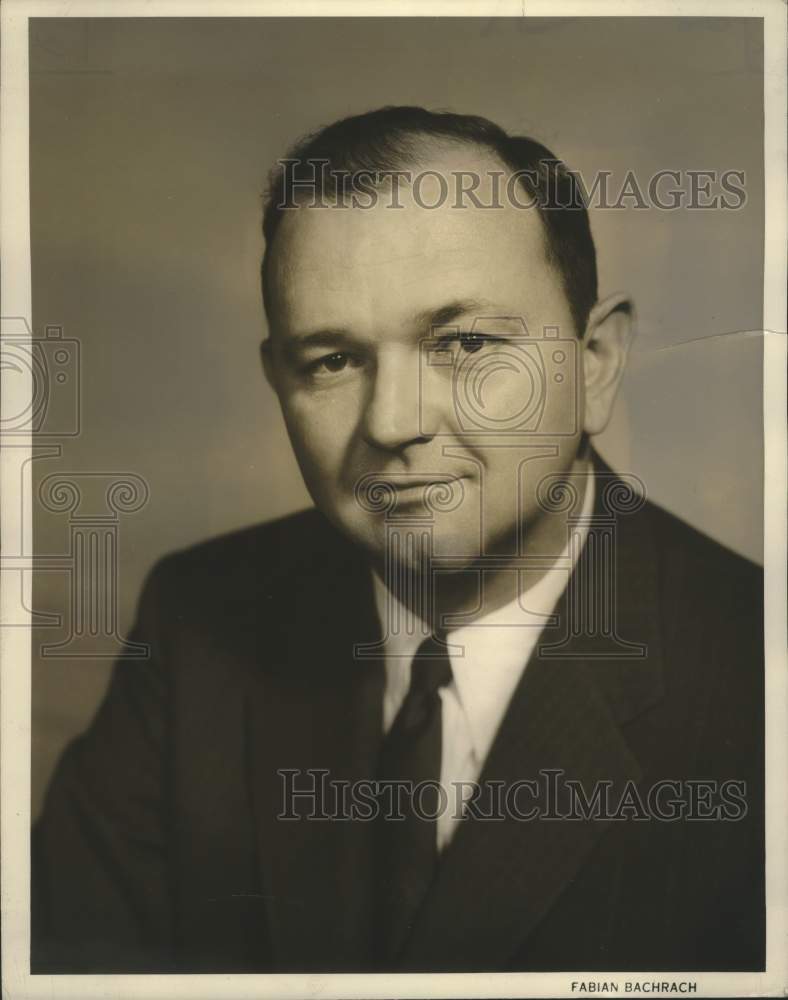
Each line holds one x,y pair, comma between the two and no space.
381,265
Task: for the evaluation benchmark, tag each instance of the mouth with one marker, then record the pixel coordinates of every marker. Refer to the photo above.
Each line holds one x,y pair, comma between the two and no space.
382,493
433,488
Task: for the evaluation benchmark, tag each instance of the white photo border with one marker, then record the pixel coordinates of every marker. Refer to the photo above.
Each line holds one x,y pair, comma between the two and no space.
16,519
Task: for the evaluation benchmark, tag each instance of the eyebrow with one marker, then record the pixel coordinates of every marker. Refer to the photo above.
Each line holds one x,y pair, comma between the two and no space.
442,316
328,338
425,320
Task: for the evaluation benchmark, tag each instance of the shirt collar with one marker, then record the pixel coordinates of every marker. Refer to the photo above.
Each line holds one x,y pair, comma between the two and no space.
491,653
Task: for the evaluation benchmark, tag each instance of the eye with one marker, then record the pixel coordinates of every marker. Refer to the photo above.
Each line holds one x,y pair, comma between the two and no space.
473,342
331,364
334,362
469,343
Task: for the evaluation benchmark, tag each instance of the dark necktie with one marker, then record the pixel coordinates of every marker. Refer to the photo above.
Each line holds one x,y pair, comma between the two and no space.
411,752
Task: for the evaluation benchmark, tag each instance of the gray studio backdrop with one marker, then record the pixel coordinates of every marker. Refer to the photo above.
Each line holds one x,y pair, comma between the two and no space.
150,140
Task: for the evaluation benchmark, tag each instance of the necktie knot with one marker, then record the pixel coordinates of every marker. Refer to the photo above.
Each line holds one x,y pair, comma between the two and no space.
430,669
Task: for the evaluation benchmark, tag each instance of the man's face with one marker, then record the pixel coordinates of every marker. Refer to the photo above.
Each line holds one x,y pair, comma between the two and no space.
413,346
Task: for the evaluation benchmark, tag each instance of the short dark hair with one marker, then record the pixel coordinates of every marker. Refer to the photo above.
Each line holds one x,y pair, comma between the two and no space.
388,139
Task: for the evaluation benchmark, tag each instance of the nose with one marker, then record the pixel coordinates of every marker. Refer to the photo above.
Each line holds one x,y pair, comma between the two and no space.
394,413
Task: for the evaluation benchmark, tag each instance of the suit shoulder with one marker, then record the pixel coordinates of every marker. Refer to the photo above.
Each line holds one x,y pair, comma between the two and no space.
695,554
711,602
289,545
710,634
681,550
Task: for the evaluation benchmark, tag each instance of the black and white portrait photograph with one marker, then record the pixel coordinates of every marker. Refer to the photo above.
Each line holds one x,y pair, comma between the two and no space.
393,539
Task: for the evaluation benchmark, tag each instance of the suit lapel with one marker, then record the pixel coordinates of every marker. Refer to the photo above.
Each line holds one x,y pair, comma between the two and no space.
497,880
315,708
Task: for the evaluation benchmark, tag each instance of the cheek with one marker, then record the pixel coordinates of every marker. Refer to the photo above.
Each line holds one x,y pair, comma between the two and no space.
321,427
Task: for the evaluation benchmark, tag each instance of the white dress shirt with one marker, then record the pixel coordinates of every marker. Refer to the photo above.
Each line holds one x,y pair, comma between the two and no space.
495,650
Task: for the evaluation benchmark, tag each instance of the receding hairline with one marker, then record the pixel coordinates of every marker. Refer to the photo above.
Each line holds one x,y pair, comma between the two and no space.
392,138
434,151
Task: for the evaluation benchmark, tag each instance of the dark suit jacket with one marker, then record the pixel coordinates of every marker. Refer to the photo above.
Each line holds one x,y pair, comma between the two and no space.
159,847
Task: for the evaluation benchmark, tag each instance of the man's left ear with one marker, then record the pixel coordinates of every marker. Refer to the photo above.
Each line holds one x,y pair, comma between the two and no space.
606,343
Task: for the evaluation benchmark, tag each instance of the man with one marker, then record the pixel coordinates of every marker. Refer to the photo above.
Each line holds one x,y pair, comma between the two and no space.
486,708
